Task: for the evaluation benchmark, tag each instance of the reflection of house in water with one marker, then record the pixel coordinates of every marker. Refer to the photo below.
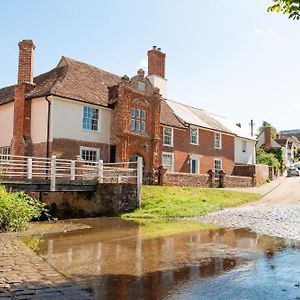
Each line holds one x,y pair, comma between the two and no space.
115,259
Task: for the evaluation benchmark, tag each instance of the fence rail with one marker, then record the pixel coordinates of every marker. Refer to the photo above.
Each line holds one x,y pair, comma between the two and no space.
53,169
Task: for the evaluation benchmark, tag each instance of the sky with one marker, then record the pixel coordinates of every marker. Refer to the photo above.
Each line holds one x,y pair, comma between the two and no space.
228,57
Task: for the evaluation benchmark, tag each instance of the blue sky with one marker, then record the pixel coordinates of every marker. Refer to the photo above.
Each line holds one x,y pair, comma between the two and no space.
229,57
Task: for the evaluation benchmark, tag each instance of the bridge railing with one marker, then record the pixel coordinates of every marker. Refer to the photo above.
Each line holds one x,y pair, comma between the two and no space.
53,169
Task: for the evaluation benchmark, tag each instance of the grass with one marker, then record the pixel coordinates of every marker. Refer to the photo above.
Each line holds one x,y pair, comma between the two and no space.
161,202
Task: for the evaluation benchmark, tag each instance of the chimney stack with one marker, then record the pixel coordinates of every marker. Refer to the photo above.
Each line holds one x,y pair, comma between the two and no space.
26,56
21,142
156,62
268,137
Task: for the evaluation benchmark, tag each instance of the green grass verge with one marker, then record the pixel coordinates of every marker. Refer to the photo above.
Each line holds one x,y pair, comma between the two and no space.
160,202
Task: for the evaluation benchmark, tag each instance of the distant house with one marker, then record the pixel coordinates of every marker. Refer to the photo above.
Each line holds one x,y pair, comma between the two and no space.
77,109
288,144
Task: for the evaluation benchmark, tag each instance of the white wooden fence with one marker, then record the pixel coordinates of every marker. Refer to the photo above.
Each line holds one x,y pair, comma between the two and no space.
53,169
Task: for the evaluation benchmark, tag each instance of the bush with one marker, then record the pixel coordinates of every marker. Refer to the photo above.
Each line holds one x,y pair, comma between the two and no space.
17,209
262,157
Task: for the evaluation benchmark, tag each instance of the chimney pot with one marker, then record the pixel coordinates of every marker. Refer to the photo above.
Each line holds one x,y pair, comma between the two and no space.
154,47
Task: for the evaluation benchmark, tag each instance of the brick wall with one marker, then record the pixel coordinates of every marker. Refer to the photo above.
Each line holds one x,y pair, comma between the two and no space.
183,148
262,172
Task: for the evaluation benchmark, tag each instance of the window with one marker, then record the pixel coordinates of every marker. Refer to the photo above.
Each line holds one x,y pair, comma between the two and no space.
141,86
168,161
90,118
168,136
194,163
90,154
4,153
217,167
218,141
137,120
194,136
244,146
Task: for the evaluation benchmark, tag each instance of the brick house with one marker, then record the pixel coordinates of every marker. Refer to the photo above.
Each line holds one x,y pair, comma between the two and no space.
78,109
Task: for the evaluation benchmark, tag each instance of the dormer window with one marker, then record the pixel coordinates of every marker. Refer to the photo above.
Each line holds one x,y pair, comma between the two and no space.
137,120
141,86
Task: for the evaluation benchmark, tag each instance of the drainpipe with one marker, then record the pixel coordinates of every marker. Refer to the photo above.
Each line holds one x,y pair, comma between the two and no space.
48,125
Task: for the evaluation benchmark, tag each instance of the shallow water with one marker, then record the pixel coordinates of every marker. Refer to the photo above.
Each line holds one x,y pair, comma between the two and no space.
118,259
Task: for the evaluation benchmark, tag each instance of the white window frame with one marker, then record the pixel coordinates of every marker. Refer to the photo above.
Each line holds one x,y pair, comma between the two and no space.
197,165
169,154
5,151
172,136
82,116
82,148
220,140
221,165
197,138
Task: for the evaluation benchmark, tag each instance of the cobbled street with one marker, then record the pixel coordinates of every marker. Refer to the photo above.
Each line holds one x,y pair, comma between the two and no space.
277,214
24,275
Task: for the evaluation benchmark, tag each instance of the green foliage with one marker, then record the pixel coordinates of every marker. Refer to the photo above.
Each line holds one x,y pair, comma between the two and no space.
296,154
264,158
288,7
278,153
17,209
171,202
267,124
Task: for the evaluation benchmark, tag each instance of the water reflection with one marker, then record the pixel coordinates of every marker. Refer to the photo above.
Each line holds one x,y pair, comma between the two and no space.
117,259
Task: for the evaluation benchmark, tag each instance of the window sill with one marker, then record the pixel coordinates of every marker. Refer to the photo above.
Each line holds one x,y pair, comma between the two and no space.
165,145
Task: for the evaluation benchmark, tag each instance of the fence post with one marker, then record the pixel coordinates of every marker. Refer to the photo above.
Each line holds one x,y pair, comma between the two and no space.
72,169
139,179
100,171
53,174
29,168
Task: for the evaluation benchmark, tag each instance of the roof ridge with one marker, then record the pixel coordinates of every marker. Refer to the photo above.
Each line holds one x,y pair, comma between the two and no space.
89,65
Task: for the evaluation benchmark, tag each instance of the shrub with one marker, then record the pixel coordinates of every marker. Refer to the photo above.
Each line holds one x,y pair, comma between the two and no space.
262,157
17,209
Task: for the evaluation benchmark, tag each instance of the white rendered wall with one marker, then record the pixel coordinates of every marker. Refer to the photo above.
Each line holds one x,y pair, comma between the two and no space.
160,83
66,118
39,118
6,123
247,157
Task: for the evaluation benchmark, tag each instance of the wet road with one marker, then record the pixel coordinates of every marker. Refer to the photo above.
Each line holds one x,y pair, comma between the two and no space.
117,259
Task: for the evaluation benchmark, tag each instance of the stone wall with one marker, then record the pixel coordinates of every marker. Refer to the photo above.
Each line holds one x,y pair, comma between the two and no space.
108,199
187,179
237,181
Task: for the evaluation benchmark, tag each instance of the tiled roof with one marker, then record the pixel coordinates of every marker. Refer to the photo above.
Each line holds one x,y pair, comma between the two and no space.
70,79
167,116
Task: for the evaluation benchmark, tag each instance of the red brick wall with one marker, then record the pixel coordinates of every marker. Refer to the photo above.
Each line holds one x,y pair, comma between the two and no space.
69,149
182,148
237,181
156,62
26,53
261,172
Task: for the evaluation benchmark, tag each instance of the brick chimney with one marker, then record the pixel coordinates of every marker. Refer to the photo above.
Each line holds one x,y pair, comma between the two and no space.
26,57
268,137
156,69
156,62
21,142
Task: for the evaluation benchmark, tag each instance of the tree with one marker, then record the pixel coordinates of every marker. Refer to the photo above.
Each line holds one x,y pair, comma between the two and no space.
267,124
288,7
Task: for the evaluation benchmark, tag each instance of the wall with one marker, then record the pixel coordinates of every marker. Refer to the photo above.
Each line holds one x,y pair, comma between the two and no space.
6,123
261,171
67,122
39,120
183,149
247,157
237,181
186,179
109,199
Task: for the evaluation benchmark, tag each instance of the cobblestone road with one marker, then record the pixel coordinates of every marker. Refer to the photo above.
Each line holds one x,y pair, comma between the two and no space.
24,275
277,214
